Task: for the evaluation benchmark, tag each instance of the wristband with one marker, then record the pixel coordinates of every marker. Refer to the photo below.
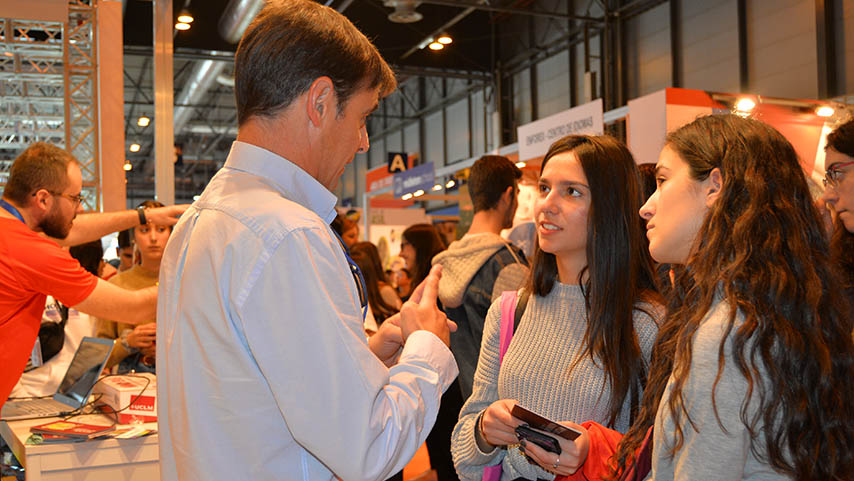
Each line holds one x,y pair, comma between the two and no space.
141,212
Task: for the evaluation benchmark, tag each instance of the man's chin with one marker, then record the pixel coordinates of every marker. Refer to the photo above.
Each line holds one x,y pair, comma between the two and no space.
56,233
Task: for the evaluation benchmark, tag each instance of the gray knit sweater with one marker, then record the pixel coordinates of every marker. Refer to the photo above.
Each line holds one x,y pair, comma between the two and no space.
536,373
712,451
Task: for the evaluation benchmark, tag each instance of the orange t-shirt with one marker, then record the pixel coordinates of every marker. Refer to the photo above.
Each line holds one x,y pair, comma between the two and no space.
31,267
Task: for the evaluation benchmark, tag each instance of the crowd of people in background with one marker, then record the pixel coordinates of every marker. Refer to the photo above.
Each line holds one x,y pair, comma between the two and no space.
690,319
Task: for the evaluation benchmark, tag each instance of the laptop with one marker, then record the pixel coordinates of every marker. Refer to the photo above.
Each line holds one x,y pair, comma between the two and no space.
75,388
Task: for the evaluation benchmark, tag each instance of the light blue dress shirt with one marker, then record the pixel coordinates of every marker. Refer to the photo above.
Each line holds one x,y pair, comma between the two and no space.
264,372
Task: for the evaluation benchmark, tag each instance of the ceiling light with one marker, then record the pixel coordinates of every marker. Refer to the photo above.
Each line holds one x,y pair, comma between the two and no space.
134,147
185,16
406,196
445,39
450,184
143,121
182,26
825,111
196,197
128,167
437,187
436,46
418,193
745,105
521,164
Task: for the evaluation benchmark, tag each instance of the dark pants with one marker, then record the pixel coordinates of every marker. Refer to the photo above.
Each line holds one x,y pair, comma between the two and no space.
439,440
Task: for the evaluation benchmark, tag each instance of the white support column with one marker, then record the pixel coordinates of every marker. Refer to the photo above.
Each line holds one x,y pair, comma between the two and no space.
164,139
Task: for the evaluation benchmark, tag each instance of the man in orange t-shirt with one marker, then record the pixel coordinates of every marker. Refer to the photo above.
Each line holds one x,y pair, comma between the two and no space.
42,196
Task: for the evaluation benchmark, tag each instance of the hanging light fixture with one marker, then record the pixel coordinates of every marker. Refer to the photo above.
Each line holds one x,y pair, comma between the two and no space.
825,111
143,121
182,26
134,147
128,166
445,39
185,16
436,46
745,104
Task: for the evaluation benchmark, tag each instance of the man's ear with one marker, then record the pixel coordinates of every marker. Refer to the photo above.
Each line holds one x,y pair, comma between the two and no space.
41,200
507,196
320,102
714,186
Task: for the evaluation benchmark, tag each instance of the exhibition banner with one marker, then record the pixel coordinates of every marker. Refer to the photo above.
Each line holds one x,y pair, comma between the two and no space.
420,177
397,162
536,137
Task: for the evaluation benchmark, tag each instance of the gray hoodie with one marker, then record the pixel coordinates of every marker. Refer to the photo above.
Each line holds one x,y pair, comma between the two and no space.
476,270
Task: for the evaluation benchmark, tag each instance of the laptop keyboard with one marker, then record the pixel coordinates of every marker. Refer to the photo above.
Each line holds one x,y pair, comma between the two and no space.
40,406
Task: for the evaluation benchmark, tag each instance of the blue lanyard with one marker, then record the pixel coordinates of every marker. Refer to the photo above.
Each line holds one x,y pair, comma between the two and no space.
361,285
12,210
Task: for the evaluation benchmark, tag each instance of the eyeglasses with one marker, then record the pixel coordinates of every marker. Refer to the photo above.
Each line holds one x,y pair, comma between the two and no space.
76,199
833,176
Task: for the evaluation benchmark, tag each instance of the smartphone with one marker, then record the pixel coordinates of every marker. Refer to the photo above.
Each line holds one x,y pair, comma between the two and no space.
544,441
543,423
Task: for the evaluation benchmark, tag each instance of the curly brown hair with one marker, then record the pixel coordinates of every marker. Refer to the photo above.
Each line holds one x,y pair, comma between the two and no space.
762,248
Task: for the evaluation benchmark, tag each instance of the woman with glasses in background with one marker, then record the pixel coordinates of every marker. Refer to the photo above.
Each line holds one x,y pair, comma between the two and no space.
839,196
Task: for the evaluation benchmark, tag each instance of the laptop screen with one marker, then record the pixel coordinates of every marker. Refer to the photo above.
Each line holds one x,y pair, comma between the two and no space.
85,368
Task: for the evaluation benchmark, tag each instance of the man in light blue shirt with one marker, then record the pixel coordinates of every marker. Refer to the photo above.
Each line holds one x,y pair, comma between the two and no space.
264,372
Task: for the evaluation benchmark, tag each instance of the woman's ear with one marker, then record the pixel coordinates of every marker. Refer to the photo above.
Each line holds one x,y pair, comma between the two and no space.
714,186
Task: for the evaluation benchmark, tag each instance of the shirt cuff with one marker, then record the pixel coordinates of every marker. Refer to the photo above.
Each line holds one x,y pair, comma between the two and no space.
427,347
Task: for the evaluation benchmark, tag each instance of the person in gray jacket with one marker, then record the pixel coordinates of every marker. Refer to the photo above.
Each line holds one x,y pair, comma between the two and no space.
481,265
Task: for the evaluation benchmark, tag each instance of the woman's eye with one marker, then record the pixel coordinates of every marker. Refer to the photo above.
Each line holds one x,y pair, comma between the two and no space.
572,191
659,180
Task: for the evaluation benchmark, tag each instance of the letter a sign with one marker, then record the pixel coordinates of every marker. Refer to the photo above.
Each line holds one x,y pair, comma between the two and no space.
397,162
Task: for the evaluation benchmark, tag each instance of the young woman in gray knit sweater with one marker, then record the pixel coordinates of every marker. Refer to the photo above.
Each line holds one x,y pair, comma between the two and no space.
583,344
752,372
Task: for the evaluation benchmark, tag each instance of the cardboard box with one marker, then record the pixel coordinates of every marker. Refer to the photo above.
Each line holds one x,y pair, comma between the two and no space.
117,392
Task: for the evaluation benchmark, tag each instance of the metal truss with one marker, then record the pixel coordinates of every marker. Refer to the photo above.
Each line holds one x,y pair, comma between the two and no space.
81,95
48,90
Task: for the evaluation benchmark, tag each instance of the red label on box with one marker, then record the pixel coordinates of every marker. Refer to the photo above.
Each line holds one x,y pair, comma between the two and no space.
144,403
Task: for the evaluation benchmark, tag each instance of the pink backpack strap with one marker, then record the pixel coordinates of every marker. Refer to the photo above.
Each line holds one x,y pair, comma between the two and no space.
508,312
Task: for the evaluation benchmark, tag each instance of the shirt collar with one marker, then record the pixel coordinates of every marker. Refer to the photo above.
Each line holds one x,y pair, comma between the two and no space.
285,176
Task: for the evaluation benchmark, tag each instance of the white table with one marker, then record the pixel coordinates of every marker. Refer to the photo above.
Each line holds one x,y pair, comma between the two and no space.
107,460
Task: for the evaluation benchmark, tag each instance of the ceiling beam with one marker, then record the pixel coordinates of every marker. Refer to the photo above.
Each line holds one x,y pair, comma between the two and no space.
513,11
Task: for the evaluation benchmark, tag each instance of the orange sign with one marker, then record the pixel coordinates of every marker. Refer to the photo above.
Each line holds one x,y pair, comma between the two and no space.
379,178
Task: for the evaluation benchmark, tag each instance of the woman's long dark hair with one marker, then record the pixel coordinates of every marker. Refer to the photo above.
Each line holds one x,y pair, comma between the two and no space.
365,255
619,269
842,242
763,249
426,241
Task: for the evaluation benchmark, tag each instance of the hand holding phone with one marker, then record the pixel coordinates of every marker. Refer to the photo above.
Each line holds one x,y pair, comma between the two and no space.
543,423
544,441
572,442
